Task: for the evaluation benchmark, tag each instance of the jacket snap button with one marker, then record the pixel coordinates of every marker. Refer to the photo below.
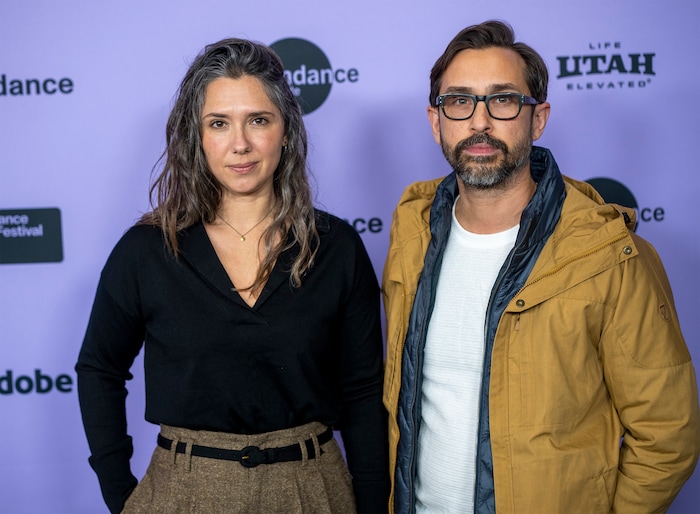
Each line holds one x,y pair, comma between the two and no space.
520,303
627,250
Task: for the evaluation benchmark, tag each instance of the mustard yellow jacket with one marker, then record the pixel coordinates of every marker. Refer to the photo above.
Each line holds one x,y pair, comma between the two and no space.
593,398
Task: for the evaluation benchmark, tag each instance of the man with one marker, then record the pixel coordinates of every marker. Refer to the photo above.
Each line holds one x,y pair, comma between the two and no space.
534,362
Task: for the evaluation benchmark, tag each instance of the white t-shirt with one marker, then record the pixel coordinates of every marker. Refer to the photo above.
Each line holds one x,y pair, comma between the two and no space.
452,369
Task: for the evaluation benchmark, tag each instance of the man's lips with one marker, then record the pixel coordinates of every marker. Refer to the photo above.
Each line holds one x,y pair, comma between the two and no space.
480,146
480,149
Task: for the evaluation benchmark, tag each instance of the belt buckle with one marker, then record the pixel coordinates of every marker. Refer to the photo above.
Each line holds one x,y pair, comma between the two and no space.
252,456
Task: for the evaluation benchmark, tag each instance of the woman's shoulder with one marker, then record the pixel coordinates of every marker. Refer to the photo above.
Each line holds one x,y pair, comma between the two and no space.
343,249
138,240
339,239
140,235
331,226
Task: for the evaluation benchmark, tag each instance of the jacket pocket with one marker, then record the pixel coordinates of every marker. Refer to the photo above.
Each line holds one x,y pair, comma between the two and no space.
554,371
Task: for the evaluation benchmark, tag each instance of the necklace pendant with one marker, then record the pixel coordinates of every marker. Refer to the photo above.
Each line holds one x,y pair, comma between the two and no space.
242,236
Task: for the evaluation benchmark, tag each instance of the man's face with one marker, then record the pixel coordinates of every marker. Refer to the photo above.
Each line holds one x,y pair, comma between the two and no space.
485,151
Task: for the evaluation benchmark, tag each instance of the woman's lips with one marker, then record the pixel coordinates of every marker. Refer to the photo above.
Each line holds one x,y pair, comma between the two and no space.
242,168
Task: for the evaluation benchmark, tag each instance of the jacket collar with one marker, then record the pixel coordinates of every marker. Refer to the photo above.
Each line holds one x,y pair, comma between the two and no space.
541,214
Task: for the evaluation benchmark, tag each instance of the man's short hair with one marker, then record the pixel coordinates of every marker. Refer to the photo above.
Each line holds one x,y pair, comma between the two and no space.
491,34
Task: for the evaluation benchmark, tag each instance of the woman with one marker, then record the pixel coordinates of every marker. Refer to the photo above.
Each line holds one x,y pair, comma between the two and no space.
259,316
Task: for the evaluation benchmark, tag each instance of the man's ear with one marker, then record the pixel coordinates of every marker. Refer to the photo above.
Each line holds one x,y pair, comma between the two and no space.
434,119
539,119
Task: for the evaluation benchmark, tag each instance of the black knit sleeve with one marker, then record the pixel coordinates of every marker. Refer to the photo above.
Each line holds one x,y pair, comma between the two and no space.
364,418
112,340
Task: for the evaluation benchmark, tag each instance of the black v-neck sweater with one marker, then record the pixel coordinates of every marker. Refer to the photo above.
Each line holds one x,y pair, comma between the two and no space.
312,353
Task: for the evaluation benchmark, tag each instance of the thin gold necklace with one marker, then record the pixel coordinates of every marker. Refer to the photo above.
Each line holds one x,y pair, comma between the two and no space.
250,229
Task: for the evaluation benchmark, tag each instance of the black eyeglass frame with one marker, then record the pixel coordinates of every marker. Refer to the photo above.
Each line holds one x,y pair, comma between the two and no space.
522,100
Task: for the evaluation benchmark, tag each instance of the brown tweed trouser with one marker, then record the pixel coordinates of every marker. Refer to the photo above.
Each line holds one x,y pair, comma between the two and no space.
181,483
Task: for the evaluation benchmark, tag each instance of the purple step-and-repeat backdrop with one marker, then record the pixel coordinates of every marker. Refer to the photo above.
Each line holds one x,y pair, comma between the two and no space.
85,89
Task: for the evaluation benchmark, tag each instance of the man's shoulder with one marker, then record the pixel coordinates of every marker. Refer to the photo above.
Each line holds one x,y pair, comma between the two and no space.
583,197
417,200
421,191
411,217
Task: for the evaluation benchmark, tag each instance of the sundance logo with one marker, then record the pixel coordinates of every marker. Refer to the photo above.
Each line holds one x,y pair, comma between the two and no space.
309,72
30,235
34,86
605,65
363,225
35,383
613,191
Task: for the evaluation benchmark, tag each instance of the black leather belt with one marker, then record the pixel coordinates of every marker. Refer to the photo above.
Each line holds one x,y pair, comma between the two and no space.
252,456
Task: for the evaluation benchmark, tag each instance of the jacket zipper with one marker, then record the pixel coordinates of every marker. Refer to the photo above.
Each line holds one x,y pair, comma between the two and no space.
487,320
416,389
488,317
573,259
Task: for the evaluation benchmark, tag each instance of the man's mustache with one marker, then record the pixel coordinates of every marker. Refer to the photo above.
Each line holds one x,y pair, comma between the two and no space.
480,138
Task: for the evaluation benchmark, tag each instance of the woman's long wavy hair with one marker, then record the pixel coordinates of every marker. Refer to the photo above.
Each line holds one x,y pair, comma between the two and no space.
186,192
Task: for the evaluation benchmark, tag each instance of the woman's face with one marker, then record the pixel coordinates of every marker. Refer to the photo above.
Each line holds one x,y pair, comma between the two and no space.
242,136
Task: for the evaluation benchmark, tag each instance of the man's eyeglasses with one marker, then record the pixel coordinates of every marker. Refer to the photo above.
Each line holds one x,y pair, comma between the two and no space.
501,106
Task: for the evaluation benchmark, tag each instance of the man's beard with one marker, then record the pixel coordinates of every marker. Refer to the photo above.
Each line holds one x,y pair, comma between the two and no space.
484,172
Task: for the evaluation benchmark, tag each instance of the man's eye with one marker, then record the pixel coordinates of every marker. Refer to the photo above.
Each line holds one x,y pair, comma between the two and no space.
461,100
502,99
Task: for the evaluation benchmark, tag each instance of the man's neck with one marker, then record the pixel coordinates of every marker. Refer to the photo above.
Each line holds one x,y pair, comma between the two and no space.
488,211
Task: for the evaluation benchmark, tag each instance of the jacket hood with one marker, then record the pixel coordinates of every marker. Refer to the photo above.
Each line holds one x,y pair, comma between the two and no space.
629,214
